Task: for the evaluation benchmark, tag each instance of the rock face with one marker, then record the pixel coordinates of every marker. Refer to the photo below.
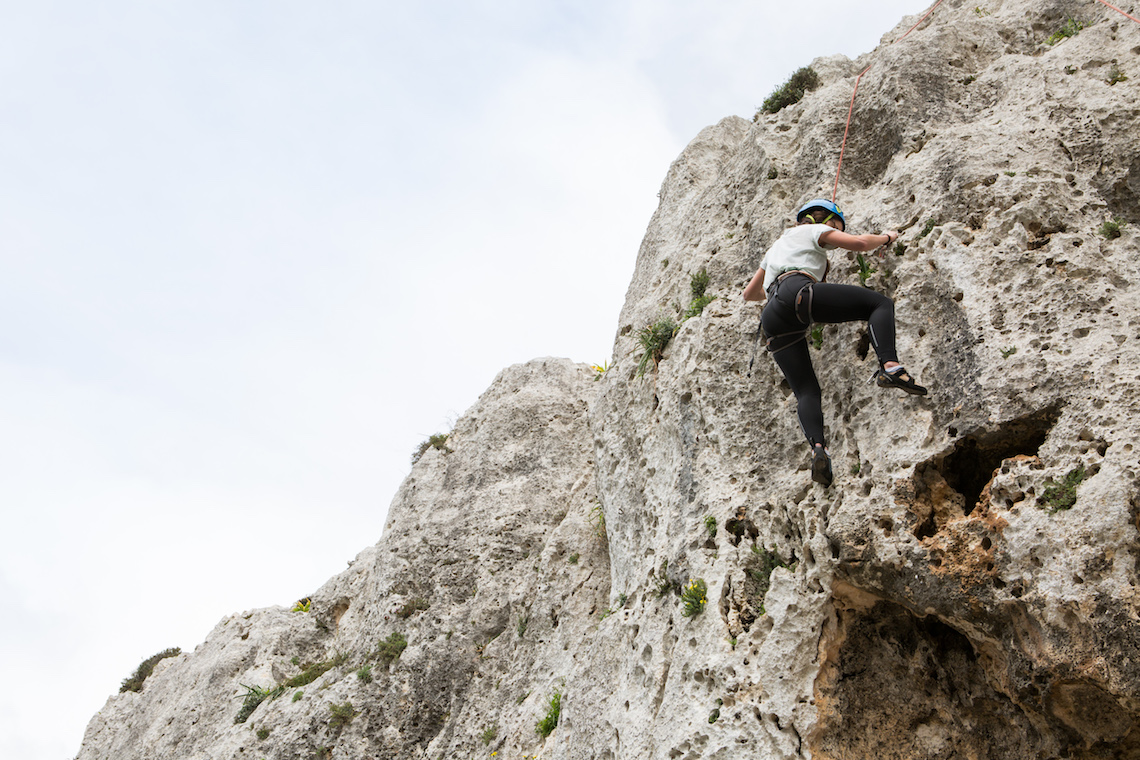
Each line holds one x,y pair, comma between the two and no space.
947,597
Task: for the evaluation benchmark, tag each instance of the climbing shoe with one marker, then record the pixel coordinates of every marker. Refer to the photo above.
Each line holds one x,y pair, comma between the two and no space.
820,466
901,380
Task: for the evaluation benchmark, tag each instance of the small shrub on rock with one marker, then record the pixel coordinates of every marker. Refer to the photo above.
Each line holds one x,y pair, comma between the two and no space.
145,668
792,91
1071,28
313,672
653,339
254,696
694,597
437,441
759,570
390,649
1063,495
698,284
548,723
1111,229
342,715
411,607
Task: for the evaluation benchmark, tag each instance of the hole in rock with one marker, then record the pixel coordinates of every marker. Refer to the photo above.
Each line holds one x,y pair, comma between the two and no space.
740,527
970,466
902,686
863,345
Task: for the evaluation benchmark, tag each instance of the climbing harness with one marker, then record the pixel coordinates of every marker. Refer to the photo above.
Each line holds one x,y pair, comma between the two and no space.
800,306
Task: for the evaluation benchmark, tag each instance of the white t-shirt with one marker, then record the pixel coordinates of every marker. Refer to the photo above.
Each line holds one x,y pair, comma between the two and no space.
798,248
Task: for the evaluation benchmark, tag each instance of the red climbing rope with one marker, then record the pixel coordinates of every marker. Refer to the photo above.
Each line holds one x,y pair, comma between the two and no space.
1122,13
846,129
851,108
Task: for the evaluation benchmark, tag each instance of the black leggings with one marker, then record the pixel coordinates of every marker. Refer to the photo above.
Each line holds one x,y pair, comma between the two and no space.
792,307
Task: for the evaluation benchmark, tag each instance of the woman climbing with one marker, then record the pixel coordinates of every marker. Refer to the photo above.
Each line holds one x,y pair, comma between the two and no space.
792,277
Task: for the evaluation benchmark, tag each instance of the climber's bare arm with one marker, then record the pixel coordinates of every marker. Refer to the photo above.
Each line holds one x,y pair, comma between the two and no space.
858,242
755,289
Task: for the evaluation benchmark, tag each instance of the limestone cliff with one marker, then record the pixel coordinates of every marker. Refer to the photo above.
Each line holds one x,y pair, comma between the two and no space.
945,598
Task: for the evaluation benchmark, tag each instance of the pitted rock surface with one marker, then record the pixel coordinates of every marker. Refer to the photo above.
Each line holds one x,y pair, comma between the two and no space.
944,598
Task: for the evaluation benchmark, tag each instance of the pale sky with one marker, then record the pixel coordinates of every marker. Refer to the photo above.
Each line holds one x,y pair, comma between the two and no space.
253,253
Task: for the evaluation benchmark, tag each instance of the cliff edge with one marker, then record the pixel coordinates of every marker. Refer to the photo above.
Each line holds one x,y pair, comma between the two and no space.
966,588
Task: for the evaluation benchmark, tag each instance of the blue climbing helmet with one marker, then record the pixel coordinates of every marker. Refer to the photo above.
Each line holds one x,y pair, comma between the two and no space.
824,204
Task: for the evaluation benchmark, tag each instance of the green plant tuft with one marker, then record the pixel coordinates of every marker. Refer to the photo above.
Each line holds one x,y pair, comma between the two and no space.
817,335
799,84
600,369
598,518
522,623
315,671
696,306
489,734
145,668
694,597
759,571
548,724
1008,352
263,733
664,585
1111,229
573,558
710,525
1115,75
298,695
411,607
653,340
865,269
254,696
437,441
304,605
342,715
698,284
900,248
928,228
390,649
1063,495
1071,28
365,674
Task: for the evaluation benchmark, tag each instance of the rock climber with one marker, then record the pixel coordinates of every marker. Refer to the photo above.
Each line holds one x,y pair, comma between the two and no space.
792,276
